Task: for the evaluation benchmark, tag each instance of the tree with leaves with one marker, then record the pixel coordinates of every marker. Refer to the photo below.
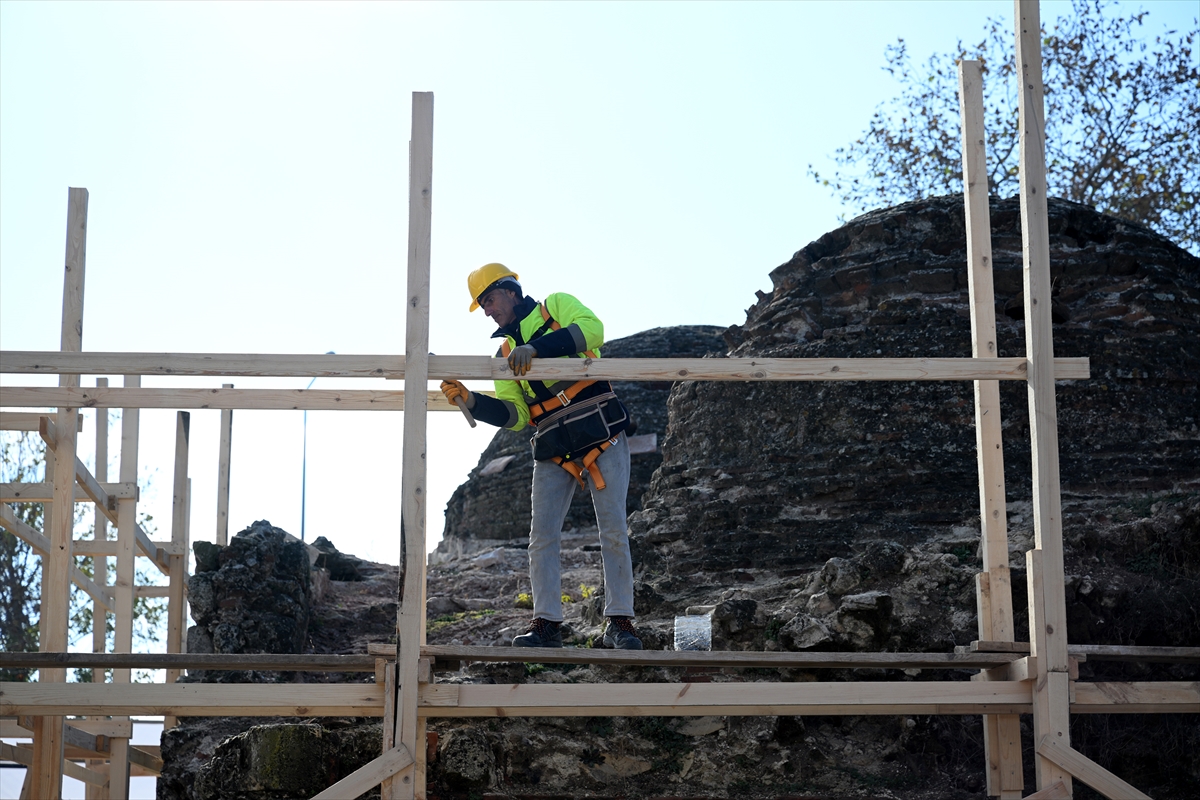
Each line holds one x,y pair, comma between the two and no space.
1122,123
23,460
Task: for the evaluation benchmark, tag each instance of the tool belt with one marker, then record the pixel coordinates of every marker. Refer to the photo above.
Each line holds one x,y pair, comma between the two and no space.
573,435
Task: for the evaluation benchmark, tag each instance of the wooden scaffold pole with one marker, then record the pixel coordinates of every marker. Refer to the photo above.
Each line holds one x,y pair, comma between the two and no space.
47,770
993,588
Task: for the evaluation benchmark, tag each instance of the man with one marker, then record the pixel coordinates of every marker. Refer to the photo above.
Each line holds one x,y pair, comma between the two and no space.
579,440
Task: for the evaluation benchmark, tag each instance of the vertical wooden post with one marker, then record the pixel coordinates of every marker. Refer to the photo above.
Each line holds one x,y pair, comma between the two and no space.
1002,734
100,571
177,575
60,522
223,474
410,625
123,589
1047,607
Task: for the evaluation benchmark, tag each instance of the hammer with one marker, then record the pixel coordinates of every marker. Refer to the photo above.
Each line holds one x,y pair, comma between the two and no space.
462,406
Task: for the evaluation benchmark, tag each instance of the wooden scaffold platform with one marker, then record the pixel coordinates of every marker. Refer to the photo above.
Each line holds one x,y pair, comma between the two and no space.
1038,677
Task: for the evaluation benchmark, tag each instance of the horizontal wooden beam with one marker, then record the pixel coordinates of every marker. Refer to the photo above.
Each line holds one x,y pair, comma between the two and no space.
484,368
1142,697
687,699
11,728
42,492
193,699
738,699
108,547
21,728
26,420
284,662
1097,652
671,658
254,399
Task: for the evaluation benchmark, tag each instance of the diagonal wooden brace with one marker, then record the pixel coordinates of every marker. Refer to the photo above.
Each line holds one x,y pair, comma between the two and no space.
370,775
1088,771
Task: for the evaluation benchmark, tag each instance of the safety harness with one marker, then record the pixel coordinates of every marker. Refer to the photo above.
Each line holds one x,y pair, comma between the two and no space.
543,412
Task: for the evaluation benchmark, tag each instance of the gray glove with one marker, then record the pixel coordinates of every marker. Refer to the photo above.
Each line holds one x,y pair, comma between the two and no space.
521,358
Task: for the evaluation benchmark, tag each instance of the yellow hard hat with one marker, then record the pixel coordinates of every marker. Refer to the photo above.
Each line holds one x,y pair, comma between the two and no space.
479,281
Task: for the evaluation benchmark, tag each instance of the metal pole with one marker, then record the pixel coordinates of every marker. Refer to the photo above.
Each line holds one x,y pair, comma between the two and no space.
304,462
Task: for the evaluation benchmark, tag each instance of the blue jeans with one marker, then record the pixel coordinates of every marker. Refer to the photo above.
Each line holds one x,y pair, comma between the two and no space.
553,488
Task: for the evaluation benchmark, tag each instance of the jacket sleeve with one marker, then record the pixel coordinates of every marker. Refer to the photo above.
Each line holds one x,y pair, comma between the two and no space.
509,393
577,320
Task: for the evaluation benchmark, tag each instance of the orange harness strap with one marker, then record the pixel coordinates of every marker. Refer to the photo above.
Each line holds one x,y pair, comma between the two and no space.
564,397
588,465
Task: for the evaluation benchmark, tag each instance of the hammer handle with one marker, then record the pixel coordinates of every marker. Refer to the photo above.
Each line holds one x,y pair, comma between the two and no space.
462,406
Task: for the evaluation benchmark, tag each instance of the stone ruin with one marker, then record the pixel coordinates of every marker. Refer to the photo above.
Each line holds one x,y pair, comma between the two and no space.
839,516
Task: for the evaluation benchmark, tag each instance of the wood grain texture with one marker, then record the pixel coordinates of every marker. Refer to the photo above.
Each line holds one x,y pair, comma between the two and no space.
1088,771
368,776
485,368
27,420
747,659
410,620
224,461
210,661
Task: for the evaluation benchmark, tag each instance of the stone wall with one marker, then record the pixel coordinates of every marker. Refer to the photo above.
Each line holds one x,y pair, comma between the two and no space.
788,475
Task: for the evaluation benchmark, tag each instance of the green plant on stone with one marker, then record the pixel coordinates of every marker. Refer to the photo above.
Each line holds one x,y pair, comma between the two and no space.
524,600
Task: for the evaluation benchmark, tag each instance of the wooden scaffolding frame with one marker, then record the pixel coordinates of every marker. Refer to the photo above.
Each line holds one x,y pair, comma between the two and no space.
1039,677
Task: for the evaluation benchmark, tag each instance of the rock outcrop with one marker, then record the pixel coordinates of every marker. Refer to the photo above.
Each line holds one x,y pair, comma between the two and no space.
833,516
492,507
253,596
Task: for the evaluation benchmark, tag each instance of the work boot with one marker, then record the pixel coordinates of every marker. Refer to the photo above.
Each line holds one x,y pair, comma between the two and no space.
542,633
620,635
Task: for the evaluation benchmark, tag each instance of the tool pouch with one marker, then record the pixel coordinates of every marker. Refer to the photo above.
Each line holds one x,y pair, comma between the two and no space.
576,430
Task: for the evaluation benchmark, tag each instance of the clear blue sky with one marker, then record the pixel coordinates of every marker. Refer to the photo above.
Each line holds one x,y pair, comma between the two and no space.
247,168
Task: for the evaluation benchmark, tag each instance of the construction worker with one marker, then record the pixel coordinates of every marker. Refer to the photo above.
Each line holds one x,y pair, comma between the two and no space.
579,440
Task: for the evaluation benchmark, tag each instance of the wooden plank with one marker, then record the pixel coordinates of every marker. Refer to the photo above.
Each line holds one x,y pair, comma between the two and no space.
26,421
282,662
1055,791
44,492
1002,734
19,728
60,515
701,699
143,758
1109,652
176,604
193,699
129,536
410,617
1043,416
224,455
1099,652
24,756
1156,697
276,399
1089,771
746,659
990,454
368,776
388,681
443,700
100,533
485,368
214,364
86,547
100,523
